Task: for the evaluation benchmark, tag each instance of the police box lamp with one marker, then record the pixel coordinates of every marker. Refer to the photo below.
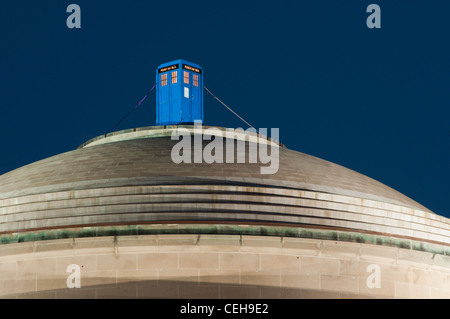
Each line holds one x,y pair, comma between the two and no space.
179,93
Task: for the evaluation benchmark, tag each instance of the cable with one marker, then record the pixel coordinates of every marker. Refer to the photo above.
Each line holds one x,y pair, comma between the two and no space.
142,100
132,110
230,109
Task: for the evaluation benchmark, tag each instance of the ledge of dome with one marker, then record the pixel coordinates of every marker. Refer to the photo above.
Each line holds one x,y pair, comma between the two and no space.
207,234
166,131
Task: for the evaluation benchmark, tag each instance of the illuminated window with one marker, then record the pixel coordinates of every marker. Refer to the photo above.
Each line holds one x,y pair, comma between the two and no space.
174,77
186,77
164,79
195,79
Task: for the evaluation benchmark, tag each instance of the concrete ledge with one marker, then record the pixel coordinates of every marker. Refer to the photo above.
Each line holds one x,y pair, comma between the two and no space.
219,234
219,266
166,131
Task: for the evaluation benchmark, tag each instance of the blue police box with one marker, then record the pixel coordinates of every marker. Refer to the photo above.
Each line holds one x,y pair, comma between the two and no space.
179,93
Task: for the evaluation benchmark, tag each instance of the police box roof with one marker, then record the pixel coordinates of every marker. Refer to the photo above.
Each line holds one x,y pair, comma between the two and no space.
172,65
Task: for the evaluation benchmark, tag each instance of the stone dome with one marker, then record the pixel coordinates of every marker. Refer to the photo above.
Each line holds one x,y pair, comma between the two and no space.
127,181
142,157
129,177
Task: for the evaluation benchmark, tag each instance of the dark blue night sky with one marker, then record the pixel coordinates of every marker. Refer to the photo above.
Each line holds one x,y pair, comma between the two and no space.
373,100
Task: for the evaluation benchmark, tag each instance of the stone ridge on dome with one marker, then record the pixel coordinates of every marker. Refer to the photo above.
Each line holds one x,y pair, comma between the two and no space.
166,130
145,160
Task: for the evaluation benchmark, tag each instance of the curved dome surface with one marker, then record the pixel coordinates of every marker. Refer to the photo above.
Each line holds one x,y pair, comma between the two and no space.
133,180
148,161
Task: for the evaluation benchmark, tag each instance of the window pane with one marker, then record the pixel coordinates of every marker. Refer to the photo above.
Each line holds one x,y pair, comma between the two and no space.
164,79
195,79
174,77
186,77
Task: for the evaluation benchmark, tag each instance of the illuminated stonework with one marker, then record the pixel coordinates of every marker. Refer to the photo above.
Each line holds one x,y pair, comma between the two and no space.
139,225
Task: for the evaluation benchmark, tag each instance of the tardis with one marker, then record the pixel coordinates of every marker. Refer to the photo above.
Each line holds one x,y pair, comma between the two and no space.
179,93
